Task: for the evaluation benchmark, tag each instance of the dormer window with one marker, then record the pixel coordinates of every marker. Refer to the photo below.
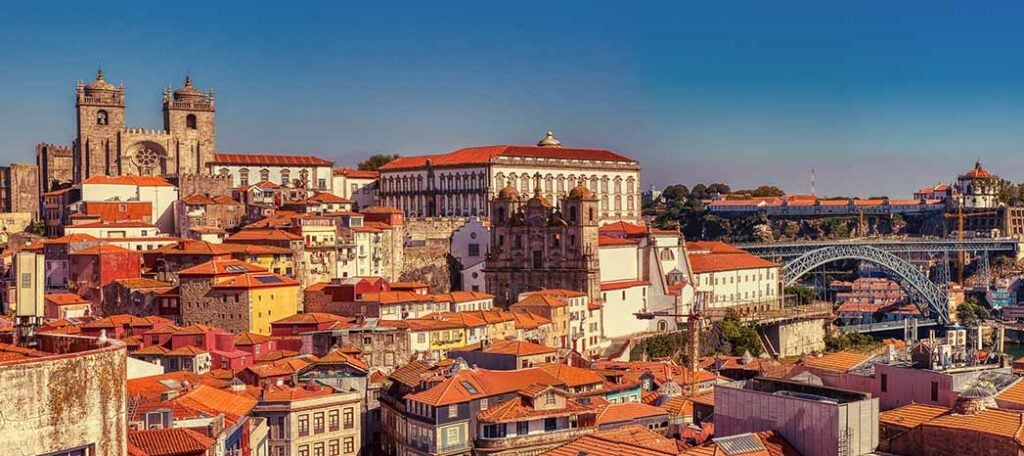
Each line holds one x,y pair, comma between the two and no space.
102,117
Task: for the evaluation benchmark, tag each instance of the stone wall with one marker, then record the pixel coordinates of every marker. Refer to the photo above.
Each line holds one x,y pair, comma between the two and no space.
427,228
429,262
206,184
21,192
56,166
65,401
797,338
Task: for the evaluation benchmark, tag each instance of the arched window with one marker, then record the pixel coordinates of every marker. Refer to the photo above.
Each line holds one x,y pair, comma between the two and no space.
101,117
662,325
264,174
286,176
572,214
243,176
190,121
590,215
525,184
223,171
304,176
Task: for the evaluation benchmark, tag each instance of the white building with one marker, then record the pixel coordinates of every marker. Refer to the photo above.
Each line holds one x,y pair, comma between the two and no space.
469,245
978,188
463,181
161,195
356,185
731,278
245,169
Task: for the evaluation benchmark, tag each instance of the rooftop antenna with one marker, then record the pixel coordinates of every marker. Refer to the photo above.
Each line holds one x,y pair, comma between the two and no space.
812,182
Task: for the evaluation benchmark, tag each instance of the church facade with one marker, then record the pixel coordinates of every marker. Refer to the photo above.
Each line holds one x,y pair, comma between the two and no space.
105,146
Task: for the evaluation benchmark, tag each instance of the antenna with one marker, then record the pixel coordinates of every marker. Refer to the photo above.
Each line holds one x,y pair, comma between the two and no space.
812,182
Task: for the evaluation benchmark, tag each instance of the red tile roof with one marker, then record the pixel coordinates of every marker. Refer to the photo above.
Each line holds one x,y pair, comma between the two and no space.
111,211
170,442
623,284
484,382
102,249
716,262
538,300
141,181
489,154
511,347
608,241
623,227
268,160
257,280
221,267
263,235
356,173
284,393
633,440
72,238
65,299
312,318
114,224
324,197
628,411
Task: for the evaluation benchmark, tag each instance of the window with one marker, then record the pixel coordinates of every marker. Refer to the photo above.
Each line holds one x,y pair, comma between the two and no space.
318,423
349,445
102,118
453,411
190,121
347,418
318,449
304,450
483,404
935,391
303,425
885,382
321,183
243,176
474,250
286,175
522,427
452,435
550,424
549,398
26,280
538,259
332,448
264,175
421,338
332,420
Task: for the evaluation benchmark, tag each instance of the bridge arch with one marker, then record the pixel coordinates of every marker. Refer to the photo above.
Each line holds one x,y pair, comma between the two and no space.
911,278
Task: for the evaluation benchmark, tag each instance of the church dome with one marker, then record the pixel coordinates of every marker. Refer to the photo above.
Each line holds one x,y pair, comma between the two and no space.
978,172
538,201
549,141
188,92
99,85
580,192
508,193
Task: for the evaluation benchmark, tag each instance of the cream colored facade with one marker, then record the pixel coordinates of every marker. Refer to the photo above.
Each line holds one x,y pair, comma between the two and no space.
319,425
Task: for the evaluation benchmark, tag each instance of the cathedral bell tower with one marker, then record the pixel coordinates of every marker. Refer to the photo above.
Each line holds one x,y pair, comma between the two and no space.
100,111
189,119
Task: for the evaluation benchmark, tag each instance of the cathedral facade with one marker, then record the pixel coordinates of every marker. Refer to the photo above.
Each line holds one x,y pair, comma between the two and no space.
536,246
105,146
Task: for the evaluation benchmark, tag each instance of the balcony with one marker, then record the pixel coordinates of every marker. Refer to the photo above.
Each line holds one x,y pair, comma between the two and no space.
492,445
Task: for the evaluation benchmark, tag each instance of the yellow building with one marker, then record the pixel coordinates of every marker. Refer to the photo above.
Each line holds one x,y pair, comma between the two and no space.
278,260
433,336
236,296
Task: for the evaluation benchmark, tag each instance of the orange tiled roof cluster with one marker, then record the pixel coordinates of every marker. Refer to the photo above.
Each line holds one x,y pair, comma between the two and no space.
356,173
199,199
520,407
217,267
468,384
839,361
608,241
773,445
139,181
257,280
511,347
538,300
285,393
488,154
168,442
911,415
633,440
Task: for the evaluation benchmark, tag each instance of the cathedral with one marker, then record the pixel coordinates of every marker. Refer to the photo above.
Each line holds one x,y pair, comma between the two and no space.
105,146
535,245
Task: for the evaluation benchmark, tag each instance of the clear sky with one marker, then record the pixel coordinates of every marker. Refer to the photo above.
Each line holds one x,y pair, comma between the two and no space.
878,97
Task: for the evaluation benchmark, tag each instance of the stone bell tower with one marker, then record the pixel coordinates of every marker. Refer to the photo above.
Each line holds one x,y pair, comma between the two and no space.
189,119
100,108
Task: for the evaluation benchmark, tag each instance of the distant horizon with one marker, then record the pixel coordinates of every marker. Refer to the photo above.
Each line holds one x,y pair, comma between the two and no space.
879,99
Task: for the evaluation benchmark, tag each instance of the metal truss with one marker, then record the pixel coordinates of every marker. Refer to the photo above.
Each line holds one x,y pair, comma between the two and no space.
795,249
910,277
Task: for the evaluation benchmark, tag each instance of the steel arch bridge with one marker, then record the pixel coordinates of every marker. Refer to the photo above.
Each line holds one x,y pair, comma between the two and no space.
911,278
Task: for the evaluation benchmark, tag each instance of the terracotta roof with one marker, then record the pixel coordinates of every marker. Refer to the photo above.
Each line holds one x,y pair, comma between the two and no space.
489,154
215,401
1014,394
623,227
712,247
633,440
312,318
998,422
623,284
257,280
188,350
572,376
72,238
170,442
284,393
339,356
529,320
199,199
221,267
714,262
140,181
538,300
770,442
142,283
356,173
470,384
118,320
324,197
839,361
65,299
263,235
394,297
268,160
465,319
411,373
560,292
627,411
608,241
102,249
462,296
911,415
518,409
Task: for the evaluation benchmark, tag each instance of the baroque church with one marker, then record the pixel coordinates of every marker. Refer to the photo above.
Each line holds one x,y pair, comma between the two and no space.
105,146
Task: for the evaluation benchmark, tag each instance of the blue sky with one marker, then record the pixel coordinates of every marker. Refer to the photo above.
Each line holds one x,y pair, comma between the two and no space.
878,97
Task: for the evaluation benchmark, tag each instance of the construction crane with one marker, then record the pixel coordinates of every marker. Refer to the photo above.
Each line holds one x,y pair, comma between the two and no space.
960,216
694,325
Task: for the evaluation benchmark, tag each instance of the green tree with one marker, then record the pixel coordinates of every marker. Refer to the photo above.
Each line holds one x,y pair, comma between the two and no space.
676,192
721,189
660,346
766,191
740,337
375,161
804,295
971,312
848,342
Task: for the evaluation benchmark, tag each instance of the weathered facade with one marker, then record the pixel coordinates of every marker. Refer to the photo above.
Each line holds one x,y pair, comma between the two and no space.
19,189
